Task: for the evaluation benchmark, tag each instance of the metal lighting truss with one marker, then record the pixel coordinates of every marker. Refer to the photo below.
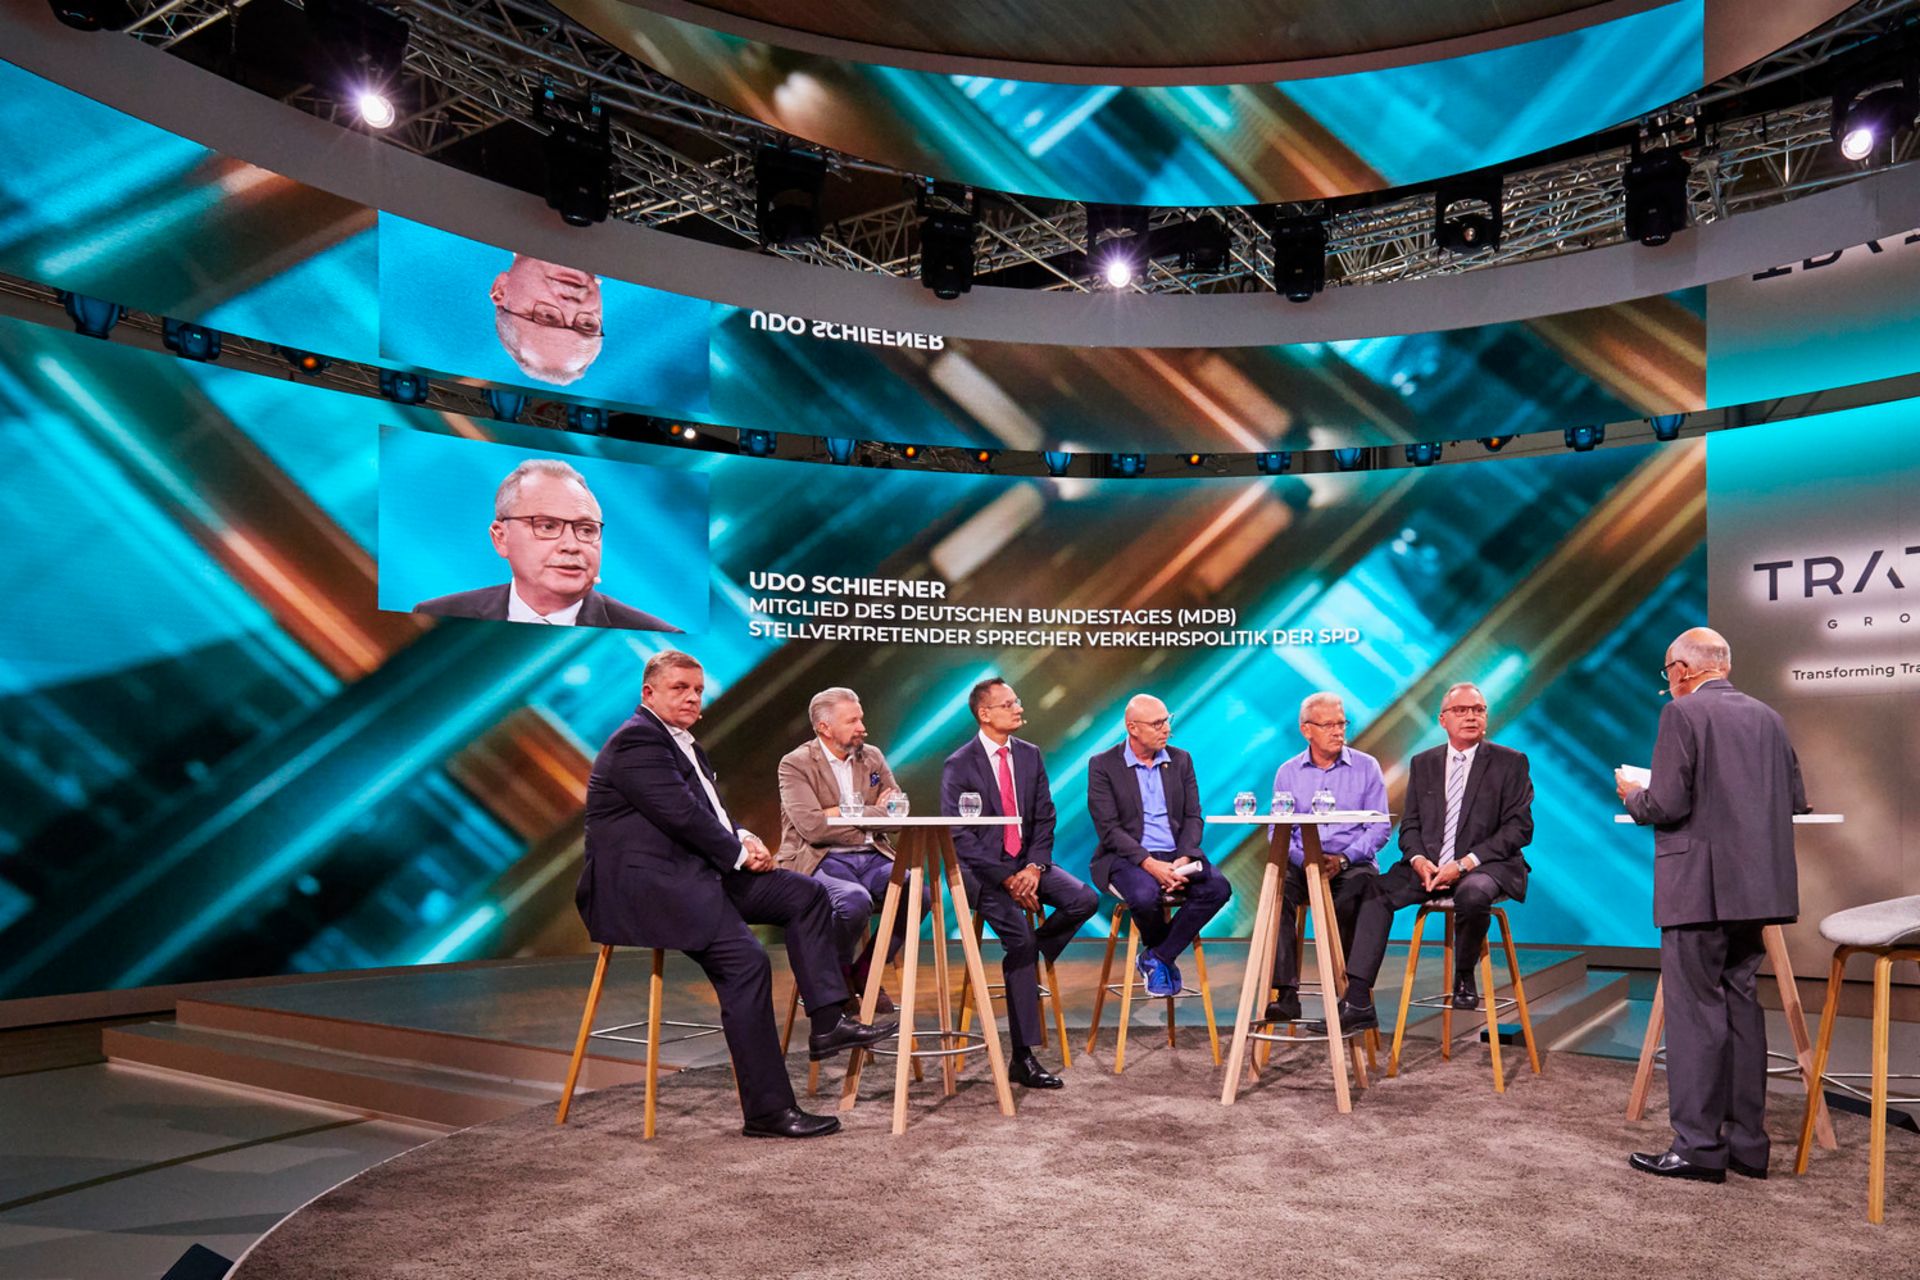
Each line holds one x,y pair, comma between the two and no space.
475,64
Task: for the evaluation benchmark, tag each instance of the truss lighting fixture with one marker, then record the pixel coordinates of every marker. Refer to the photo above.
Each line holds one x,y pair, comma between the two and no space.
985,457
1196,459
1466,214
683,431
1126,465
586,420
1299,256
92,317
758,444
578,149
1494,444
190,341
1865,119
91,15
1058,462
1207,244
362,46
376,109
1275,463
787,187
841,449
1666,426
1656,195
403,388
1349,459
1118,245
1424,453
1585,439
303,361
949,223
507,406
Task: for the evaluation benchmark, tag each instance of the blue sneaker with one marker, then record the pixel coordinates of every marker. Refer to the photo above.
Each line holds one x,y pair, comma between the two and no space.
1173,976
1159,979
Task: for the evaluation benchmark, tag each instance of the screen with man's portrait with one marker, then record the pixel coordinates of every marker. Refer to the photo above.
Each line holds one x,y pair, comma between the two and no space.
471,529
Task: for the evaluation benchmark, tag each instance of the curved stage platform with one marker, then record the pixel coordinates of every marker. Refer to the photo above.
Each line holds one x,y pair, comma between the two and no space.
1431,1170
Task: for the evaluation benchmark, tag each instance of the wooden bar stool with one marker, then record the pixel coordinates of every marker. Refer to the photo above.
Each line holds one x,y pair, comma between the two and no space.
1889,932
653,1022
1309,989
1444,1001
813,1068
1049,992
1124,989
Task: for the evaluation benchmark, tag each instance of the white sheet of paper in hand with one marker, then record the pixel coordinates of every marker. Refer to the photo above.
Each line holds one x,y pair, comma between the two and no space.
1635,774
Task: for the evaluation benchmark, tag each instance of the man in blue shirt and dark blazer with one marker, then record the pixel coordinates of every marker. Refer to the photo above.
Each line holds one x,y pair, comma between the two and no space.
666,867
1144,800
1009,871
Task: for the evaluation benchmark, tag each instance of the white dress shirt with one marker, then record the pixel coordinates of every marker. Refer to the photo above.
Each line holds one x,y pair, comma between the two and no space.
684,741
519,610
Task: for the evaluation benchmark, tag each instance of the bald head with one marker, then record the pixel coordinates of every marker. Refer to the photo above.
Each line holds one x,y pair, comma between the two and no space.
1149,725
1697,655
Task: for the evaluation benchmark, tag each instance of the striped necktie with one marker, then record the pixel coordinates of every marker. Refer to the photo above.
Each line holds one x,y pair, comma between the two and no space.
1456,787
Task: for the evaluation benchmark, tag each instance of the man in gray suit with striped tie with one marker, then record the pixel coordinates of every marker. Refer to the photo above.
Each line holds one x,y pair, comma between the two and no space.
1469,815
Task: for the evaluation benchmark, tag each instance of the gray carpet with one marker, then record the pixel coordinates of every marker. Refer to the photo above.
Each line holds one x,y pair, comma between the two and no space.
1432,1175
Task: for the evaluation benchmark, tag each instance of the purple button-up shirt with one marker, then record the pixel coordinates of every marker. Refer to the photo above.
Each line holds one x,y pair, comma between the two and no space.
1357,783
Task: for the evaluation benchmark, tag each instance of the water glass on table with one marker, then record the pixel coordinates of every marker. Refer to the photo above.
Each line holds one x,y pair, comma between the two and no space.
852,807
896,804
969,804
1282,804
1323,801
1243,804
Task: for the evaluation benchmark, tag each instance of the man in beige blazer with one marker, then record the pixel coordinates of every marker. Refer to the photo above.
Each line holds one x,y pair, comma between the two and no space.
851,863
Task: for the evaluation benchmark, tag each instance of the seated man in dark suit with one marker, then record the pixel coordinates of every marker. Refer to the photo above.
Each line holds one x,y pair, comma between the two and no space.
1145,804
1469,813
1009,871
666,867
546,526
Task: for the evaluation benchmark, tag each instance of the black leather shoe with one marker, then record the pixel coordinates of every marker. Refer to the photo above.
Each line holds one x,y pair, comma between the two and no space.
1669,1165
1286,1008
1746,1170
1026,1070
791,1123
848,1033
1464,996
1353,1017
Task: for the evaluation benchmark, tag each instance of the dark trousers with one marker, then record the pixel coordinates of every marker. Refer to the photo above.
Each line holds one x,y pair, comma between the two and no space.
1716,1042
737,965
1073,905
1349,890
1473,897
1206,892
857,883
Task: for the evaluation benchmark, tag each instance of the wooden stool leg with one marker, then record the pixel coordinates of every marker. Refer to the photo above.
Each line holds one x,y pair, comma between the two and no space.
1649,1047
1828,1009
943,984
1775,940
1106,976
1206,998
793,1012
1128,976
1264,1054
1253,983
1406,991
870,998
586,1029
656,998
903,1063
1877,1143
1059,1011
967,994
1326,948
948,863
1446,981
1493,1018
1519,989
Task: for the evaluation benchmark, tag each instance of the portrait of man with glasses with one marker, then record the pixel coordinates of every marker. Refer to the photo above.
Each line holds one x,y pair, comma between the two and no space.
548,318
547,526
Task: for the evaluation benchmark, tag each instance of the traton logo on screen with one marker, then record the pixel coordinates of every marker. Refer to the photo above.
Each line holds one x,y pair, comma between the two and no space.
1873,572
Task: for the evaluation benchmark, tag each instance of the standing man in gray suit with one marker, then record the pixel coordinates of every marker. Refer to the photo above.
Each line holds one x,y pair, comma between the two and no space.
1725,787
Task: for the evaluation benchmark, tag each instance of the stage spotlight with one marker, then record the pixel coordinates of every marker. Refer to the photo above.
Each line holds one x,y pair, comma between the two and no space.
841,448
1126,465
787,195
1207,244
578,149
303,361
1349,459
1424,453
1466,214
1866,118
1275,463
586,419
190,341
376,109
403,388
1494,444
507,406
93,317
1299,257
1058,461
910,452
1656,196
1584,439
1666,426
947,234
1196,459
758,444
1118,243
362,46
985,457
683,431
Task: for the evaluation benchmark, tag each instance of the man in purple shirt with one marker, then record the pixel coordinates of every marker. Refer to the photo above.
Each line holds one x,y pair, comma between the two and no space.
1349,848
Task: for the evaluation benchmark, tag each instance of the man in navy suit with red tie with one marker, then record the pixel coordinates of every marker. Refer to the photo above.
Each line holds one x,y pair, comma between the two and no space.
1009,870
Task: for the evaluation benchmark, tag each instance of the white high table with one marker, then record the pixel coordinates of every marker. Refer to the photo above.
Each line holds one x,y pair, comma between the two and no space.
928,840
1266,937
1776,944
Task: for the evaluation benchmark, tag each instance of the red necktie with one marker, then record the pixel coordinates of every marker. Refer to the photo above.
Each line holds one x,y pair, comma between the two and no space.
1011,839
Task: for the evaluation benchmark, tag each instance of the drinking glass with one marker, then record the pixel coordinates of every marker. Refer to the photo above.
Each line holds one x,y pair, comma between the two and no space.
1282,803
896,804
1323,801
1243,804
969,804
852,807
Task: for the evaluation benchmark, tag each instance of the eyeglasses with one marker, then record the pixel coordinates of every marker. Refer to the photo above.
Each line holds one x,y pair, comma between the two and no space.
1477,710
1161,723
1003,706
547,316
550,527
1325,724
1677,662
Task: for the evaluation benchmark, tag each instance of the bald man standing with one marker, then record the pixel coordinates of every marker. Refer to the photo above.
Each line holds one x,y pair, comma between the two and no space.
1725,786
1145,804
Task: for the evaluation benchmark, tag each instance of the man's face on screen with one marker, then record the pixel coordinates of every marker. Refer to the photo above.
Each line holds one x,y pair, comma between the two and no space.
549,573
675,694
549,318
